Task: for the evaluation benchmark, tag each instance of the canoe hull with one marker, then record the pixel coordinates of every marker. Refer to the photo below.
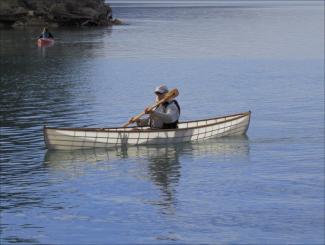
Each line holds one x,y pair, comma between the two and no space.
81,138
45,42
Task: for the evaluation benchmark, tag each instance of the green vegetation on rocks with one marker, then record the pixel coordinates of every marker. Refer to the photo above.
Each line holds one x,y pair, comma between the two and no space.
16,13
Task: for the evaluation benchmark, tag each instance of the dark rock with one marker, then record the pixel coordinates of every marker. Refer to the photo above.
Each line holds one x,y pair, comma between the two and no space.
116,22
17,13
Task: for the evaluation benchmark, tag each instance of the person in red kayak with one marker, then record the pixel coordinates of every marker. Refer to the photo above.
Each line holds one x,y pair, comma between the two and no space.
46,34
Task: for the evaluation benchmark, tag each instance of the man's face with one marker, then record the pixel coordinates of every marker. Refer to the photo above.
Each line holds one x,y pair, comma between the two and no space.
160,96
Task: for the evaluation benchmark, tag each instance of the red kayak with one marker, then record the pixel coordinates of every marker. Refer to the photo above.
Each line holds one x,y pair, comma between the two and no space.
42,42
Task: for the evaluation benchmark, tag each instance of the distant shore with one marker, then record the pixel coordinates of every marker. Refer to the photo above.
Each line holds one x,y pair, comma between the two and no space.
26,13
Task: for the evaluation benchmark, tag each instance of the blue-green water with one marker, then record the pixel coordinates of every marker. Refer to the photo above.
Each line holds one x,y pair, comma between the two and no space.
267,187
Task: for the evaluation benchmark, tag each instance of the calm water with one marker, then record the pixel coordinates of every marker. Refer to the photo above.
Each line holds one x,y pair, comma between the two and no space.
266,188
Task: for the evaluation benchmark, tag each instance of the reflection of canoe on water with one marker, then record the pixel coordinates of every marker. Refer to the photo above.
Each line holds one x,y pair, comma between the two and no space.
219,147
83,138
161,164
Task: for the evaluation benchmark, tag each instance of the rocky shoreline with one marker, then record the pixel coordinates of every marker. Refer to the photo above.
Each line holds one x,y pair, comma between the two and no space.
55,13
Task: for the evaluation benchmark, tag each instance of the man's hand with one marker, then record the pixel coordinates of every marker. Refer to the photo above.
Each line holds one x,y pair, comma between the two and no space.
148,110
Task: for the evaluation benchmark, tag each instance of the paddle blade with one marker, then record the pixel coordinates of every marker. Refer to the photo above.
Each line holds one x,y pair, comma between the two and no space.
171,94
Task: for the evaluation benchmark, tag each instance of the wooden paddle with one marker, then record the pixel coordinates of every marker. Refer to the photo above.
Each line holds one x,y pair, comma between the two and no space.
171,94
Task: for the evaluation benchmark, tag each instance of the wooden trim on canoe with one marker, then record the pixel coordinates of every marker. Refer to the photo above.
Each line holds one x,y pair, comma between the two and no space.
140,129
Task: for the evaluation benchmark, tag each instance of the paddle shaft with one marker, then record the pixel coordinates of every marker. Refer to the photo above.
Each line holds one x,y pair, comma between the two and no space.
171,94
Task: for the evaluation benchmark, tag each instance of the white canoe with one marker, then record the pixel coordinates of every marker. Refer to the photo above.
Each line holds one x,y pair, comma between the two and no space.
85,138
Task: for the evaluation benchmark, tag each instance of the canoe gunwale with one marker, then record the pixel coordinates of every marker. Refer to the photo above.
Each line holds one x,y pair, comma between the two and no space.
141,129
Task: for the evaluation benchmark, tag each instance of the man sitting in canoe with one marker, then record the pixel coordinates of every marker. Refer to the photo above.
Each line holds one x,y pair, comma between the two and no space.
165,116
46,34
